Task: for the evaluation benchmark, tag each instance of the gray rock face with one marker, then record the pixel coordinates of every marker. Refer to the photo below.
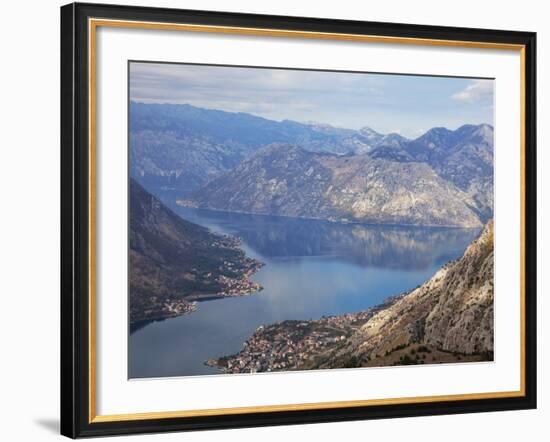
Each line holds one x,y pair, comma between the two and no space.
462,319
166,160
386,192
281,180
463,157
286,180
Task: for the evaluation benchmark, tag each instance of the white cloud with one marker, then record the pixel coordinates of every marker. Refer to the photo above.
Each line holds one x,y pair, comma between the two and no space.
478,90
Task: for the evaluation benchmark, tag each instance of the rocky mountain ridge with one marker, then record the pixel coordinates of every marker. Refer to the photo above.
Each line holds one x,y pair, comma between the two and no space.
181,148
286,180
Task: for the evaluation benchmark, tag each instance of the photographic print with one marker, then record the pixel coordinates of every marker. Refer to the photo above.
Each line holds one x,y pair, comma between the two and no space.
286,219
271,220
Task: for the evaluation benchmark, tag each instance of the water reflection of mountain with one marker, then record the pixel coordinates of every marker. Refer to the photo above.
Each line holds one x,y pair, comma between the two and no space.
397,247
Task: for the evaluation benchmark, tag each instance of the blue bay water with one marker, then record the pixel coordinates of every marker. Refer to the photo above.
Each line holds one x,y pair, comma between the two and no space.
313,268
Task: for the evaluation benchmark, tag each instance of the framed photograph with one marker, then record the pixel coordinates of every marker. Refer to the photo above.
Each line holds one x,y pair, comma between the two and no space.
274,220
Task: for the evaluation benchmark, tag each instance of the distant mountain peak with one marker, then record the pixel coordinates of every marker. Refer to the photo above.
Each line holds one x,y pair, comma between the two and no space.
393,137
485,130
470,133
437,132
369,132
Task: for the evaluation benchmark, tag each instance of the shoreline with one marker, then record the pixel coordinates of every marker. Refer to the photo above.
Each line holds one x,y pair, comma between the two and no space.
235,287
407,329
302,345
189,204
327,331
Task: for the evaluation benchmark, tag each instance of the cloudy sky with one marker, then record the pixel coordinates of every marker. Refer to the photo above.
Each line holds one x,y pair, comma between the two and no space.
409,105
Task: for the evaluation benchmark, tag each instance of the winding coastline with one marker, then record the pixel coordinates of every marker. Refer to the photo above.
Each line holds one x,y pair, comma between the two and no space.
174,263
313,269
415,327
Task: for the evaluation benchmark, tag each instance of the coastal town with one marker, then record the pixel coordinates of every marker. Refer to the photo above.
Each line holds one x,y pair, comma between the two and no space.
176,263
293,345
233,276
305,345
239,286
228,286
177,307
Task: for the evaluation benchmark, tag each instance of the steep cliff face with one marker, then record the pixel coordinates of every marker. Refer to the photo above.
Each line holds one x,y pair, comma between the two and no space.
286,180
387,192
462,319
463,157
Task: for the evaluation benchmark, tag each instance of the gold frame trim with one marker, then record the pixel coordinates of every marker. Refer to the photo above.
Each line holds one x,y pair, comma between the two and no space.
93,24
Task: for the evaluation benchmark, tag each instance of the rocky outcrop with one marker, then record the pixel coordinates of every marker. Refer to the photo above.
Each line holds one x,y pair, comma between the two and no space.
463,157
462,319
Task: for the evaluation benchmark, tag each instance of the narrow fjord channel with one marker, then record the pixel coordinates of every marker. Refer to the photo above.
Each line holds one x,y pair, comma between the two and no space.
312,269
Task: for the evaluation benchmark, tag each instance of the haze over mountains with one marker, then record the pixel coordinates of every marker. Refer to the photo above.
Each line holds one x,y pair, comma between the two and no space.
240,162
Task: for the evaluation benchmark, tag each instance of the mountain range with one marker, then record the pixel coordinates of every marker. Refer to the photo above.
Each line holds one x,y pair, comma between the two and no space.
241,162
287,180
179,146
182,147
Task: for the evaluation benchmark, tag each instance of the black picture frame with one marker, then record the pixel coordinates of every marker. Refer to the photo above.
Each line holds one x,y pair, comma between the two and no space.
75,221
